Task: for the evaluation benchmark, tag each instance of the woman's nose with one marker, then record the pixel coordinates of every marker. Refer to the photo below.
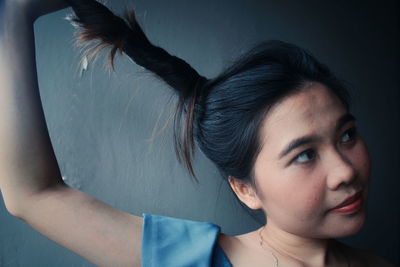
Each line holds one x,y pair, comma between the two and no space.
341,171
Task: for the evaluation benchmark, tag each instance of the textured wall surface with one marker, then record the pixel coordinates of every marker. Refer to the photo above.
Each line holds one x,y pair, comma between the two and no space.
107,128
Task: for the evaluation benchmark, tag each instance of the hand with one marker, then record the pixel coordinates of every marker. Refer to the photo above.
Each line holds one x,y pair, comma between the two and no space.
35,8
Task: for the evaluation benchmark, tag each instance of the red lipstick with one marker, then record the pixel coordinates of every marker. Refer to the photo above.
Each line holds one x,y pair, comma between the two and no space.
350,205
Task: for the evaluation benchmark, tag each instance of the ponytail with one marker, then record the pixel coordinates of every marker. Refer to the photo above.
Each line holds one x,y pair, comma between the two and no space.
98,23
225,114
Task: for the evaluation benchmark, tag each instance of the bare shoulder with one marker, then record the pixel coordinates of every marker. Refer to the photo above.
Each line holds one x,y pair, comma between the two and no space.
360,257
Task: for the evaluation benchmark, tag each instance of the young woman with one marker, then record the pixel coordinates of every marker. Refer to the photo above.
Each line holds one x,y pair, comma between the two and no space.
276,124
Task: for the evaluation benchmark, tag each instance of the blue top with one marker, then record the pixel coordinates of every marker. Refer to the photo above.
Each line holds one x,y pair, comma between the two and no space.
171,242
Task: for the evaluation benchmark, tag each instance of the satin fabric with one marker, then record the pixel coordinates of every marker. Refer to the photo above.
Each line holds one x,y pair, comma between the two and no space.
172,242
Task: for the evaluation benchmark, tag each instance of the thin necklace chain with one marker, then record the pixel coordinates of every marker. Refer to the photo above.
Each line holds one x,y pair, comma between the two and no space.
268,249
276,258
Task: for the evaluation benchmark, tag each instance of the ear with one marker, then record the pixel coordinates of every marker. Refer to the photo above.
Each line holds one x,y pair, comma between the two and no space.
245,192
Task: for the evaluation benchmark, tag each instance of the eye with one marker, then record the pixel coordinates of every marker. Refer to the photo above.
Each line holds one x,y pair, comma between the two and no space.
349,135
305,156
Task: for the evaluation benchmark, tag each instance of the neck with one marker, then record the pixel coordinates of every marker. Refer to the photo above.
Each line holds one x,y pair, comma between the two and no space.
309,251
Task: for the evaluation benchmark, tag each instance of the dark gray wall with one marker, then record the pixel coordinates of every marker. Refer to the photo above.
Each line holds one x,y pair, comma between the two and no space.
107,132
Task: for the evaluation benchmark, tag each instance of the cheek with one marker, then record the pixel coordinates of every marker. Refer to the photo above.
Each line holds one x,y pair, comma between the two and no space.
297,206
362,161
315,196
310,198
299,194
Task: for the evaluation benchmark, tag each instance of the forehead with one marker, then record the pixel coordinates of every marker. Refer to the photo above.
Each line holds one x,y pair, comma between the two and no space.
313,110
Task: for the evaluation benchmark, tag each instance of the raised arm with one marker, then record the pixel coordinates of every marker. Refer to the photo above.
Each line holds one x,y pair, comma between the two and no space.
30,179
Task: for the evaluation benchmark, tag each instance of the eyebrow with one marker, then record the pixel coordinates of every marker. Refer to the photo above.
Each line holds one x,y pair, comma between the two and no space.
313,138
343,120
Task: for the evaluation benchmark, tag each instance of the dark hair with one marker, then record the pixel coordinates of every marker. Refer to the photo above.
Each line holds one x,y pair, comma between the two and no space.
222,115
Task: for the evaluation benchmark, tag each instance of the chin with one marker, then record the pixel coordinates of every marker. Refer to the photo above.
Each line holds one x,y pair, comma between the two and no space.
350,225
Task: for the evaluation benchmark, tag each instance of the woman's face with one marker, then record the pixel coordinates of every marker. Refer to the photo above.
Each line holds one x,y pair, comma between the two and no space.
312,160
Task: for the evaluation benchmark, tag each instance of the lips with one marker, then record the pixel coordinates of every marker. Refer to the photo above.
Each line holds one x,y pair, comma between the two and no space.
350,204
